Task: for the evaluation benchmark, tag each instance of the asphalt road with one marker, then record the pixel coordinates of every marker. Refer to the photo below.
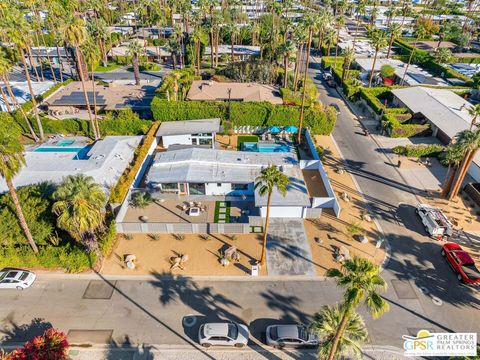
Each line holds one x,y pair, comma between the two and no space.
414,257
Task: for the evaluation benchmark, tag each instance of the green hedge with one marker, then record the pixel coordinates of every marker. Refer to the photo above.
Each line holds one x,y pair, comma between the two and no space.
399,130
466,60
371,96
432,150
245,113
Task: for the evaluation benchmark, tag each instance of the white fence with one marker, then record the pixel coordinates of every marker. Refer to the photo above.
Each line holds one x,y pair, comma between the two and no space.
182,228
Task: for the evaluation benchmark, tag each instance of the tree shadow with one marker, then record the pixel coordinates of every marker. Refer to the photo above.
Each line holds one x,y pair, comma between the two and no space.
126,349
13,332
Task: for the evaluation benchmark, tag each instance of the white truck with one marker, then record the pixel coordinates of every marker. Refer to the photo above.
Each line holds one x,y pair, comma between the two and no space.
436,223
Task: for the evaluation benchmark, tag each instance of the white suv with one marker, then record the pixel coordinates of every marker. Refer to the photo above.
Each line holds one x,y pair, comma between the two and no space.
223,334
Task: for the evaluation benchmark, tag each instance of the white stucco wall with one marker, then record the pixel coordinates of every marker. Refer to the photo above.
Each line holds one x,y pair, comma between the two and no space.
283,211
214,189
176,139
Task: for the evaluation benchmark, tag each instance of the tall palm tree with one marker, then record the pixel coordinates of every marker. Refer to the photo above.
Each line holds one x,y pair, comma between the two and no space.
394,31
469,141
135,51
80,209
300,36
312,24
287,49
454,155
75,35
198,37
420,32
474,112
348,59
17,32
271,178
339,23
325,325
361,281
11,162
92,56
379,41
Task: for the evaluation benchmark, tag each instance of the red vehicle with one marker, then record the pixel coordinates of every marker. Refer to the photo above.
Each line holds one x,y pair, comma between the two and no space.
462,263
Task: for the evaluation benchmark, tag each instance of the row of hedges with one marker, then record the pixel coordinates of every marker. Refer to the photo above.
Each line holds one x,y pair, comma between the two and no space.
319,120
397,129
372,95
349,89
432,150
466,60
120,190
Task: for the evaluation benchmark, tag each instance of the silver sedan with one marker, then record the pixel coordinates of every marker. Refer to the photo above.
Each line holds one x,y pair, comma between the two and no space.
280,336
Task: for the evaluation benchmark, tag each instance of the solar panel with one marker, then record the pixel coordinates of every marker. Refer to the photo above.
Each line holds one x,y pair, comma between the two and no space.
78,98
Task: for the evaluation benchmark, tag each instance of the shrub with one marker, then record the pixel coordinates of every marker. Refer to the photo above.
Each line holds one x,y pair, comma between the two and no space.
397,129
107,239
432,150
52,345
120,190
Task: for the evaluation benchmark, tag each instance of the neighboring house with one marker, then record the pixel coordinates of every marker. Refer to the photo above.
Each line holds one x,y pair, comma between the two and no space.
230,91
207,172
240,52
414,76
190,133
124,30
152,52
104,160
21,92
445,111
51,52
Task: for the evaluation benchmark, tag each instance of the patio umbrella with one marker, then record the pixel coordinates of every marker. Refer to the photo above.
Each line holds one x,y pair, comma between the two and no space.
274,129
290,129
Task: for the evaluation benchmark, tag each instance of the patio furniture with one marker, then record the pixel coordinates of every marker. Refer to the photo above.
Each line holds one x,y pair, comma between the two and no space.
269,137
193,211
129,261
184,207
191,203
264,136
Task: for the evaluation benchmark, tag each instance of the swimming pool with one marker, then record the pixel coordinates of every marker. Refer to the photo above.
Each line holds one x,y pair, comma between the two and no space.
65,142
258,147
80,152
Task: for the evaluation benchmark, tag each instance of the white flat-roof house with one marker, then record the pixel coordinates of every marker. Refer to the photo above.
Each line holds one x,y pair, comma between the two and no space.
189,132
445,111
210,172
104,160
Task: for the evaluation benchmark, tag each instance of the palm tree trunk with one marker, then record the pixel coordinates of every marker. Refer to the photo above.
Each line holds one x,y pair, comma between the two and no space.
5,100
462,174
198,57
297,67
373,68
95,119
285,65
136,69
302,109
338,335
447,185
216,46
49,60
20,216
390,43
232,42
409,61
94,129
32,95
33,64
336,48
60,63
263,258
16,105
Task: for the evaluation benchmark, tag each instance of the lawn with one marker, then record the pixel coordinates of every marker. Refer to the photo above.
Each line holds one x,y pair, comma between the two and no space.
109,67
217,211
245,138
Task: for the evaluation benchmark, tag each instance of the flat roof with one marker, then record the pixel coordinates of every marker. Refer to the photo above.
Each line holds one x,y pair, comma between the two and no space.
189,127
196,165
107,160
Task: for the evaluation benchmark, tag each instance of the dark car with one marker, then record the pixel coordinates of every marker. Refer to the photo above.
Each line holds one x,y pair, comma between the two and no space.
462,263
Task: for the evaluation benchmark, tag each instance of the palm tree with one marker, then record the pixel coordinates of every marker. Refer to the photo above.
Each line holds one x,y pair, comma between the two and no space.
443,55
92,56
300,36
135,51
469,141
311,23
11,162
325,324
474,111
287,49
339,23
330,38
379,41
453,157
75,35
80,209
198,37
271,178
361,280
420,34
348,58
17,32
394,31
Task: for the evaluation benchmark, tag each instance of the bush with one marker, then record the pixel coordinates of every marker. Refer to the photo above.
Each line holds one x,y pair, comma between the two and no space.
319,120
107,239
433,150
372,95
120,190
52,345
399,130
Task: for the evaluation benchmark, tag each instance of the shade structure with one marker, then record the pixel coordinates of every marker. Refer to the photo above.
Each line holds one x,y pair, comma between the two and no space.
274,129
290,129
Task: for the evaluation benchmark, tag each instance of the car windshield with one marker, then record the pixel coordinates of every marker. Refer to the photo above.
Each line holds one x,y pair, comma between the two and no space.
12,274
23,276
232,331
274,333
302,333
471,271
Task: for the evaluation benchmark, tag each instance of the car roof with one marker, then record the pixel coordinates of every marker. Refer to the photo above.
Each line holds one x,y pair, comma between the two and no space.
287,331
216,329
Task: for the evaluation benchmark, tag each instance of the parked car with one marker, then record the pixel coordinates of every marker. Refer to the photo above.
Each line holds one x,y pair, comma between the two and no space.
280,336
326,75
223,334
462,263
16,279
434,220
335,106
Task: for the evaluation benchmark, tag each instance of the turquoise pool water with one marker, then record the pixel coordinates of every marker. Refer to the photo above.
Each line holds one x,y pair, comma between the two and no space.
256,147
80,152
65,142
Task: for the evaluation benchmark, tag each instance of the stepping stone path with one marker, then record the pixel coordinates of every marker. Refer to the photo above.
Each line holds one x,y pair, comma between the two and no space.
222,212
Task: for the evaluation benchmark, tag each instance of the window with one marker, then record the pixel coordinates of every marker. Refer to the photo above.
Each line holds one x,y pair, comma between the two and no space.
232,331
204,141
197,189
219,184
240,187
170,187
219,338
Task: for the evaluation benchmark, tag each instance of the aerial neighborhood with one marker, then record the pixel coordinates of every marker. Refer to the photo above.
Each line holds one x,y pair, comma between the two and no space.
239,179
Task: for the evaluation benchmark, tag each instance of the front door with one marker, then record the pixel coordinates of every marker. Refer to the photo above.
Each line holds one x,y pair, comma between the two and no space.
183,189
